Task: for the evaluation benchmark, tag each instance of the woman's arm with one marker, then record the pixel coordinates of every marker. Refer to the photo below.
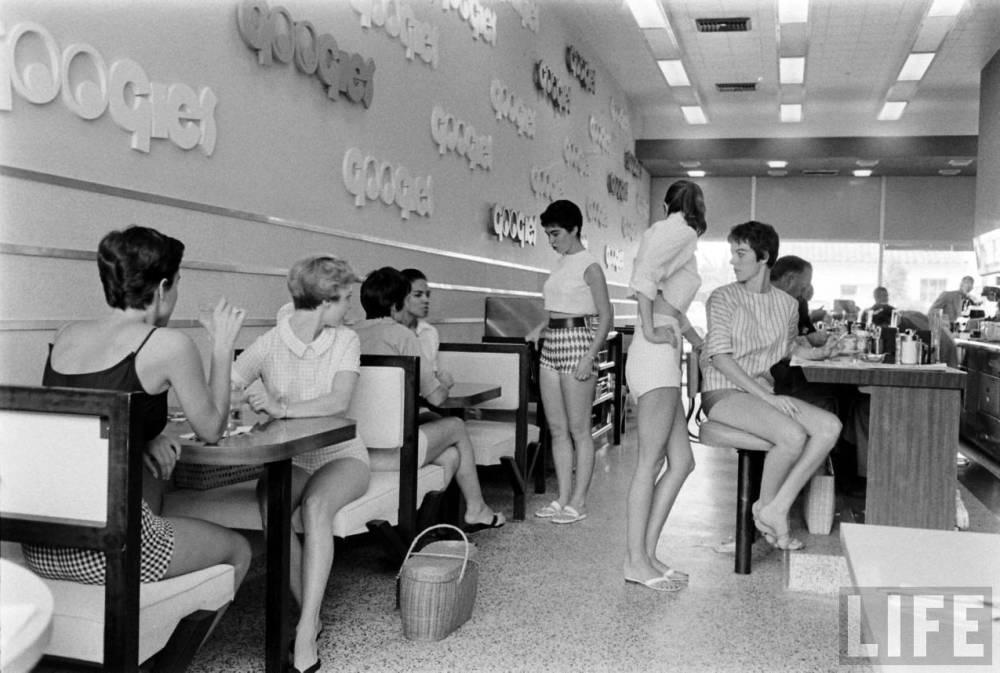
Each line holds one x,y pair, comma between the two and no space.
334,403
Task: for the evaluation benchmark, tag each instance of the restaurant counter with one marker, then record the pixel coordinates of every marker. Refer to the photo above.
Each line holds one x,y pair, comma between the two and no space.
980,423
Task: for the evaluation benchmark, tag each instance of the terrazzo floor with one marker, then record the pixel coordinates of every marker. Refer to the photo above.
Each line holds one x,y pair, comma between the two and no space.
552,598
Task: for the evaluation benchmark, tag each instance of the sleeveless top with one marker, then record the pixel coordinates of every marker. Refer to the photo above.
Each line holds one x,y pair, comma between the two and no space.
566,290
151,410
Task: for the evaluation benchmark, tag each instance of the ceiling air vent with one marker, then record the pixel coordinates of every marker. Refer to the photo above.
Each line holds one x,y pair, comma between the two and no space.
735,87
820,171
739,24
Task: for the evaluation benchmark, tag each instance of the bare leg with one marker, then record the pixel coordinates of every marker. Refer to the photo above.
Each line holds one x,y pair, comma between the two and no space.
680,463
562,443
578,397
328,489
654,428
448,432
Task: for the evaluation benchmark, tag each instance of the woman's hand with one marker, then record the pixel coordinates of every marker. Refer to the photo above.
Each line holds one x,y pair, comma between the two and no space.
534,335
267,402
584,367
783,403
660,335
226,323
445,379
161,456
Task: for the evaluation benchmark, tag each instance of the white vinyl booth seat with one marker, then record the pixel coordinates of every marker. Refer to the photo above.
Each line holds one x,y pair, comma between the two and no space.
384,406
71,477
503,441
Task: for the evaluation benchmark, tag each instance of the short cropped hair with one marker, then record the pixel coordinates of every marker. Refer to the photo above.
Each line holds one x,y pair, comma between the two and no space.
413,274
880,294
762,239
787,264
132,263
565,214
686,198
383,292
318,278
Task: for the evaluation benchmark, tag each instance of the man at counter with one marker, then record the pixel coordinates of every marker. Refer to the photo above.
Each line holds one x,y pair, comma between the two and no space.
881,311
954,302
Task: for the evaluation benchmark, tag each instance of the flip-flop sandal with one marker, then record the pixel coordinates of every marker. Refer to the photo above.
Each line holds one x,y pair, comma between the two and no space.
550,510
569,515
676,575
658,584
496,522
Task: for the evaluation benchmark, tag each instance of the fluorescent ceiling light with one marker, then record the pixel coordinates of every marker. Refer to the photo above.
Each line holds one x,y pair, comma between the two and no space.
946,8
793,11
693,114
690,164
674,72
791,113
696,174
862,172
777,174
867,163
949,171
777,164
648,13
892,110
960,162
915,67
792,70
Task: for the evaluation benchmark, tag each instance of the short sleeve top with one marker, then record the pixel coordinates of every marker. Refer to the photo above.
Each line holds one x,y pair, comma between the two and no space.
756,328
385,336
666,263
566,290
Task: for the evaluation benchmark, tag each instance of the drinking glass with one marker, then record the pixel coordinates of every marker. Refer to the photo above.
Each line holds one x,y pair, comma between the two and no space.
236,394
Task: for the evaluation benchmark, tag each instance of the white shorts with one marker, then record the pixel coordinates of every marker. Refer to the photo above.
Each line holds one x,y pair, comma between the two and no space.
651,366
310,461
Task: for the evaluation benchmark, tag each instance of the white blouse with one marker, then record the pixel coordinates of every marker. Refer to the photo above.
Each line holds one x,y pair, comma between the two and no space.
665,262
566,290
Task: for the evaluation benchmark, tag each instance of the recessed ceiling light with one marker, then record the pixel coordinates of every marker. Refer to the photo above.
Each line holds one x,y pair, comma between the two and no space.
690,164
915,67
892,110
777,174
960,162
693,114
696,174
777,164
791,112
675,73
862,172
950,171
946,8
792,70
648,13
793,11
867,163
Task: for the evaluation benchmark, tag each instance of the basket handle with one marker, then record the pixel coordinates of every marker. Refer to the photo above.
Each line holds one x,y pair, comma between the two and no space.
465,559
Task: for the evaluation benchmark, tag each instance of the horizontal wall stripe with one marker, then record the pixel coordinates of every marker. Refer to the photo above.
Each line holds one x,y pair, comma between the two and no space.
159,199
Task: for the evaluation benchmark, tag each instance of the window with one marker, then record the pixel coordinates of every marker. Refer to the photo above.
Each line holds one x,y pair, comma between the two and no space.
930,289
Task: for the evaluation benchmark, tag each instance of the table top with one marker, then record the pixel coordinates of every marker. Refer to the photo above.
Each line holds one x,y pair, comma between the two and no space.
846,370
274,440
467,394
25,617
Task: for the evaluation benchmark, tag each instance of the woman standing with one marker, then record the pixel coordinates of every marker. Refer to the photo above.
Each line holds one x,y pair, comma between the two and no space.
131,349
751,326
309,364
665,279
574,291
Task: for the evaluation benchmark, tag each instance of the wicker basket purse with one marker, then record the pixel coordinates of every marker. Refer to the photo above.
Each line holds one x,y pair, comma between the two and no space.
821,502
437,586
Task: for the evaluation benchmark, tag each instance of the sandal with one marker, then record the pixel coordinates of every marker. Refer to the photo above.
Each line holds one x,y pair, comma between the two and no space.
569,514
550,510
497,521
766,531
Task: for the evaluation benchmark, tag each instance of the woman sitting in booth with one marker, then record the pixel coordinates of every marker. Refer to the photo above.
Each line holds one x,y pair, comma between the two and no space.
751,326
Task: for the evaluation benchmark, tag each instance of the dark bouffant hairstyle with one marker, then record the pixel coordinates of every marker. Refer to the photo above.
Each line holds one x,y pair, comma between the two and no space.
762,239
413,274
686,198
788,264
383,292
565,214
132,262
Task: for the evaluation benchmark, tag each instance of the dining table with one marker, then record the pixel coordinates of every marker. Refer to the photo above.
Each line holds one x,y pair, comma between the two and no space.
271,443
913,437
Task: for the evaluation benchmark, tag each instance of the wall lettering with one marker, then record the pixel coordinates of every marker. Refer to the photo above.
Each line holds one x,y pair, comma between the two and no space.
549,84
547,185
632,165
528,11
143,108
274,35
617,187
600,135
629,229
508,106
619,115
614,257
596,213
397,18
368,179
515,225
455,135
641,204
482,20
579,68
575,158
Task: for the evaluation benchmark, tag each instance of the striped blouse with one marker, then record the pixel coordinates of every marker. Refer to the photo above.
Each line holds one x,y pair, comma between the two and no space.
756,329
